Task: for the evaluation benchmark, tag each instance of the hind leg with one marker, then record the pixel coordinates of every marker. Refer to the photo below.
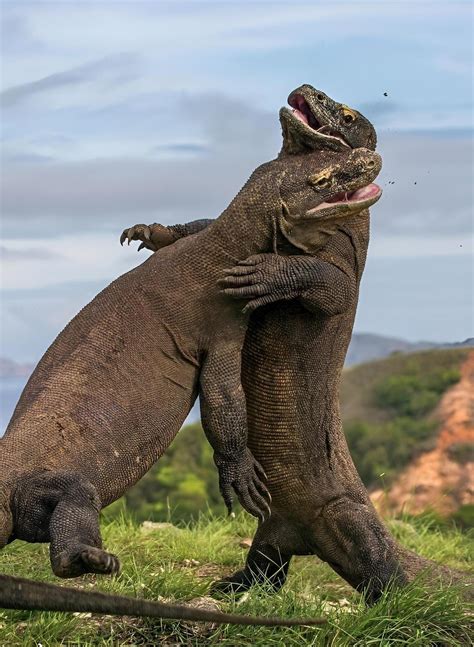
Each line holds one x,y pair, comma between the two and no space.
63,508
274,544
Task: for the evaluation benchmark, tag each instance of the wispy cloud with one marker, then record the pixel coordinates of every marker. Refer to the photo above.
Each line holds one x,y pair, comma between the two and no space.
19,255
110,67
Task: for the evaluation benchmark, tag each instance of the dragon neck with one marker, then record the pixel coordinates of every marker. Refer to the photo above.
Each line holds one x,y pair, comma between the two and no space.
248,225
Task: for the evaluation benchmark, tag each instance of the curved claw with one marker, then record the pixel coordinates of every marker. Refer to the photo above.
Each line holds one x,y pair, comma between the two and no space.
245,476
137,232
253,494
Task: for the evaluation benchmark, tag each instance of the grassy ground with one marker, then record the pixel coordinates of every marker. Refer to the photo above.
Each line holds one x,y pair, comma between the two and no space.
179,563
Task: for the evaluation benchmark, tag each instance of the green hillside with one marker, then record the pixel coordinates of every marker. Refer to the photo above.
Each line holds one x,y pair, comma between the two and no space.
388,409
172,563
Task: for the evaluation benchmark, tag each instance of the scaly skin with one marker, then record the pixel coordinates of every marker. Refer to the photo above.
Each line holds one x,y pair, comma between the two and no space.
114,388
292,361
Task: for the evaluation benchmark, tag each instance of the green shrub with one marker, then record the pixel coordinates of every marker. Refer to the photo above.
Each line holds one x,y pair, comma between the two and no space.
181,484
464,516
383,449
414,393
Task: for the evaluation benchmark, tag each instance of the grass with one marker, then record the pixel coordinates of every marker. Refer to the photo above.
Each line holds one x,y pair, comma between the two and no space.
178,564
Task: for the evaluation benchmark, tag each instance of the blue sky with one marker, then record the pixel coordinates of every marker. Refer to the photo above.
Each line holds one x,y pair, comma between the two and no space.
122,112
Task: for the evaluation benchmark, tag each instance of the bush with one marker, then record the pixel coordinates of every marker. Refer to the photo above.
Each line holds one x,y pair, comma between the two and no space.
464,517
383,449
414,393
182,483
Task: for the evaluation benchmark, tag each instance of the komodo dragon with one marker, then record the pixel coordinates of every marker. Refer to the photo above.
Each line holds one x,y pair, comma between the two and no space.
114,388
292,360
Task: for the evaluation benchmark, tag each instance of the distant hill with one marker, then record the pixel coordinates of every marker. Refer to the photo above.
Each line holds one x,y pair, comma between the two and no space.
409,422
365,347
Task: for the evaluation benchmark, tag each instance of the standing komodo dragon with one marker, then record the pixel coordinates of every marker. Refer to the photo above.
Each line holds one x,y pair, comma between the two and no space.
114,388
292,361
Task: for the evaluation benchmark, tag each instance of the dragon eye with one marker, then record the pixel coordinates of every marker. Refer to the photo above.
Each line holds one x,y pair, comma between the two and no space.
320,181
348,115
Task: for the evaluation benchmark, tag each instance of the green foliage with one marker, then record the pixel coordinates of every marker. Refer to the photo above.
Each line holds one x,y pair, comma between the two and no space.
400,394
464,516
414,393
157,564
182,483
380,450
461,452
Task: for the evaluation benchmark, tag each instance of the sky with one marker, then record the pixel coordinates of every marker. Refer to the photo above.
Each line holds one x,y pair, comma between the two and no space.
121,112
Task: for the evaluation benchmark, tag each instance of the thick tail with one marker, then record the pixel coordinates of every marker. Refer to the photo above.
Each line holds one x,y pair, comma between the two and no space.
18,593
415,566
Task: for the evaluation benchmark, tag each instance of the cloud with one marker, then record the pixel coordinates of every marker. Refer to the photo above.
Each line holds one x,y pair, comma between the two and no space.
108,67
378,110
235,136
181,148
427,188
24,157
16,34
7,254
421,177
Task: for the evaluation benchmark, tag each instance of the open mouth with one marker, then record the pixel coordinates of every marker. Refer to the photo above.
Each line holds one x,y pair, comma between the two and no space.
302,112
365,196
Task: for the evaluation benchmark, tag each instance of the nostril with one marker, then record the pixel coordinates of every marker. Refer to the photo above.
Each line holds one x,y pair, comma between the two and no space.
320,97
371,164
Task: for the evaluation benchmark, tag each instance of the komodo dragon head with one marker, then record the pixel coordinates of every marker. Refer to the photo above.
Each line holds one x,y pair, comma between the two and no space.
314,121
336,186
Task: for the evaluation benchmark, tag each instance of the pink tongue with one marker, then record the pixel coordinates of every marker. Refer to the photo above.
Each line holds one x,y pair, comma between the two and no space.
299,115
365,192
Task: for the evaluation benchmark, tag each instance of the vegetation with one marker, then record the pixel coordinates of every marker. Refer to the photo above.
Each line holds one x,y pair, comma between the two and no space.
178,563
182,483
388,409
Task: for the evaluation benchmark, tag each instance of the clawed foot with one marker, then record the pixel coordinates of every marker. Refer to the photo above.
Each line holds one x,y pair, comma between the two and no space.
242,581
235,584
85,559
246,477
262,279
152,237
138,232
